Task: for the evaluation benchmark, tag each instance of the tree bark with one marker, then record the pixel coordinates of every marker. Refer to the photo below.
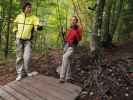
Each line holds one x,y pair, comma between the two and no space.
97,25
8,30
105,36
115,17
1,21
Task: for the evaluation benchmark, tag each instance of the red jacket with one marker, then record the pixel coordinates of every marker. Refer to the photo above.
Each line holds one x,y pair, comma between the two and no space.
73,35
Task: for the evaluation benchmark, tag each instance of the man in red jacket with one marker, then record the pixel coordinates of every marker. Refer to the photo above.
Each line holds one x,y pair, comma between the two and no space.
72,38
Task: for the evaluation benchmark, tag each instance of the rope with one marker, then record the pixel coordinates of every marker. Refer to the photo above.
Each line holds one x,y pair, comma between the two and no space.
60,27
78,5
77,13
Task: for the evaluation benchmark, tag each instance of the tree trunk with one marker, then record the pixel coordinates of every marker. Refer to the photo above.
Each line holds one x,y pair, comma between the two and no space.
8,30
2,13
105,36
115,17
97,25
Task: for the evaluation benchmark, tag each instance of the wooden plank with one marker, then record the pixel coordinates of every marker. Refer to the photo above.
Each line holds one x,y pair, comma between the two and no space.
1,98
62,94
51,90
42,88
15,93
66,86
33,90
22,90
5,95
49,94
42,93
61,91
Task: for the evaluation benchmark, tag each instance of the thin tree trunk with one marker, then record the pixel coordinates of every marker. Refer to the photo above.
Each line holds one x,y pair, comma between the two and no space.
1,22
115,17
8,30
97,25
0,30
105,36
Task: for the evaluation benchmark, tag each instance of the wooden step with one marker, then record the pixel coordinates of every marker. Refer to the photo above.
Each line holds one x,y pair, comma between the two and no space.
39,87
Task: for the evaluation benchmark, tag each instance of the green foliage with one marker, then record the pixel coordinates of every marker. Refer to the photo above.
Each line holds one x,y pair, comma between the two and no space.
57,13
125,26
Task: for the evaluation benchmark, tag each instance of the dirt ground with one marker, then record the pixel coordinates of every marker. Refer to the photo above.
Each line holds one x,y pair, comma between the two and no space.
42,63
47,64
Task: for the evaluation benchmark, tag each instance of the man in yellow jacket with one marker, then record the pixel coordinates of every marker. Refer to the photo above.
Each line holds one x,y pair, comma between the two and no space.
24,23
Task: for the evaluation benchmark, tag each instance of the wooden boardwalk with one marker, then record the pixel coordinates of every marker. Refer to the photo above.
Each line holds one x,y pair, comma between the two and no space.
38,88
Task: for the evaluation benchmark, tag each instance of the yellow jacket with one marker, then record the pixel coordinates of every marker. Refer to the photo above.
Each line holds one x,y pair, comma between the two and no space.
24,25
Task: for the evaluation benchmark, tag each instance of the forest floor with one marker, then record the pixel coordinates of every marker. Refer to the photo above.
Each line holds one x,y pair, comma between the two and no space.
47,64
